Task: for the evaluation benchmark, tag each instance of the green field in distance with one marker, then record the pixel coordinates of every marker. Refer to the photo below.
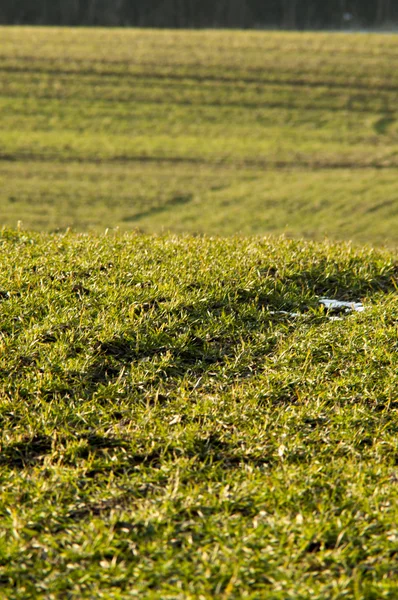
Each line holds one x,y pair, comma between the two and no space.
215,132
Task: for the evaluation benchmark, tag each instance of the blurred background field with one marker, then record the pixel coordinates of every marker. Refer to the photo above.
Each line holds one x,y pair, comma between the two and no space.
201,131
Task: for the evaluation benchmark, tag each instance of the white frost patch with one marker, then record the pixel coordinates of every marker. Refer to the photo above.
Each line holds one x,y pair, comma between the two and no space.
338,304
329,304
284,312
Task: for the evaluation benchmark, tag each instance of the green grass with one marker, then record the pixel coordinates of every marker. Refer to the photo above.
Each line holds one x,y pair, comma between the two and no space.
167,433
204,132
169,429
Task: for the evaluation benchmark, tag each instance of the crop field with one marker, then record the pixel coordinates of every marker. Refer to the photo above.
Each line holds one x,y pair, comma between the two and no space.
202,132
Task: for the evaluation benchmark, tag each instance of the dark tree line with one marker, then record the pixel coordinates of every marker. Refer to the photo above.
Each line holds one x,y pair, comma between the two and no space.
286,14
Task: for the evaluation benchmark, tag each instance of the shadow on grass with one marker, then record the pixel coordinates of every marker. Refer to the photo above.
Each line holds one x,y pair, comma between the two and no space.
26,452
171,203
189,348
210,449
33,450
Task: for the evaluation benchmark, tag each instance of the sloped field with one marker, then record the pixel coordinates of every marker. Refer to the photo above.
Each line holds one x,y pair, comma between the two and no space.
215,131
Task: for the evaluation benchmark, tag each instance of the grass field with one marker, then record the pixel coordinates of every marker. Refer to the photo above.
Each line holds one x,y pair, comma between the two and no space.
180,416
167,432
215,132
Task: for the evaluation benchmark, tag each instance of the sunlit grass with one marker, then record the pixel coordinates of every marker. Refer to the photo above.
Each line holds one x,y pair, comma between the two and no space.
168,432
